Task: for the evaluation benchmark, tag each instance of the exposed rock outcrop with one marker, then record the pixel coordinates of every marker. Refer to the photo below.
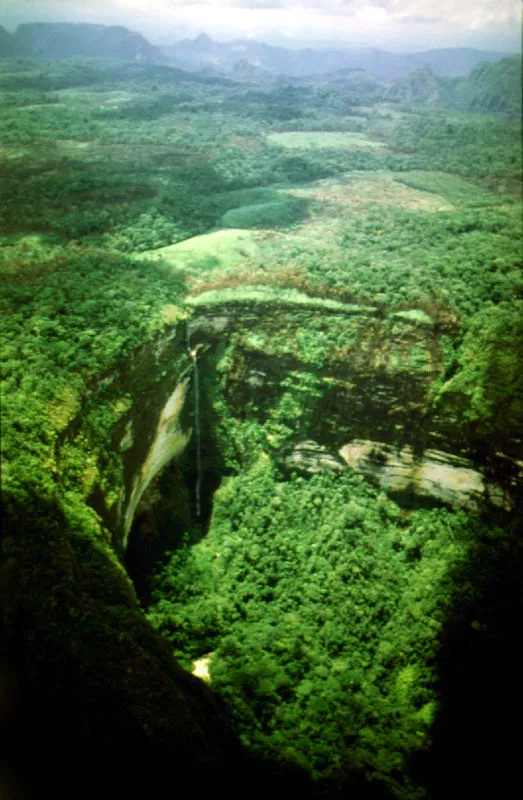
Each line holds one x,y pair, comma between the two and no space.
365,399
147,427
312,457
169,441
433,475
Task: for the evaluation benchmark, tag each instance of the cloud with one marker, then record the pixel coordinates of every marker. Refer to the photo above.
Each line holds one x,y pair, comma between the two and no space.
415,11
417,19
391,24
471,13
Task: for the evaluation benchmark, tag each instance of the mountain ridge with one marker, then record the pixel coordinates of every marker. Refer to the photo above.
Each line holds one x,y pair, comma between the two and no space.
492,88
194,54
464,78
56,40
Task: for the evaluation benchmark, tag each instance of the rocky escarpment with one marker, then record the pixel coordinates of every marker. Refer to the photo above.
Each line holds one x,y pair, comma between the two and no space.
94,699
130,426
323,386
360,392
332,385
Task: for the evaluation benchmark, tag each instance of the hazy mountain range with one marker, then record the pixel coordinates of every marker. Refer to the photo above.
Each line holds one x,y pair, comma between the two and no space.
464,78
63,40
204,52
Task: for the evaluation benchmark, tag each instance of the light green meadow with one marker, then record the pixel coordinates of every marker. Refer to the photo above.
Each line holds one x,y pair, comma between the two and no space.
311,140
226,248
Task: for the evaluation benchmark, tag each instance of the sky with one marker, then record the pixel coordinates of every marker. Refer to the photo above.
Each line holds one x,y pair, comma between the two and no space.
394,25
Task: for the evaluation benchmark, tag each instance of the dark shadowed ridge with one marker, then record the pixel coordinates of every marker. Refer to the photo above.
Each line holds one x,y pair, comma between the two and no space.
492,87
421,87
453,62
65,40
8,45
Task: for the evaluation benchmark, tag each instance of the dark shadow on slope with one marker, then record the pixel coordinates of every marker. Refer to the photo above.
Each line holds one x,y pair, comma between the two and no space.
476,737
93,704
173,512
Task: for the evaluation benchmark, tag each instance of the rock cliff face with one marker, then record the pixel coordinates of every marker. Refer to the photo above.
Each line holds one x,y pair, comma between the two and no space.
364,391
434,475
96,702
142,433
362,385
169,442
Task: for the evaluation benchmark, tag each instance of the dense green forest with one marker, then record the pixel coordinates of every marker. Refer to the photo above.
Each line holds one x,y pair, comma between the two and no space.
133,198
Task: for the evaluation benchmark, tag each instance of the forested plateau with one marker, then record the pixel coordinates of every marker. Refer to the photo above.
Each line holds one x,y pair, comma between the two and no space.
262,413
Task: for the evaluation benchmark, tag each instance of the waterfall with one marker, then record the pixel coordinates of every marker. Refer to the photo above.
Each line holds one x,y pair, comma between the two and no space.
193,353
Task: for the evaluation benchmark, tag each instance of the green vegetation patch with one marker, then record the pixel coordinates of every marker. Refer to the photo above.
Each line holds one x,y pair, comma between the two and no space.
488,374
228,248
258,195
312,140
279,214
401,257
456,190
414,315
471,145
321,607
69,315
270,294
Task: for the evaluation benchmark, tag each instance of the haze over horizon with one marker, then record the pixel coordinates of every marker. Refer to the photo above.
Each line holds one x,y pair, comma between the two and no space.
394,25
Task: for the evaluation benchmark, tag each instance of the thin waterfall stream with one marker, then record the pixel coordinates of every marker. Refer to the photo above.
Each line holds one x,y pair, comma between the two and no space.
193,353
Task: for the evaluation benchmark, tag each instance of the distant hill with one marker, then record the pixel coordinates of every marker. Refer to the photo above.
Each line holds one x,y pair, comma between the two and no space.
246,72
433,77
421,87
488,88
492,87
245,60
8,45
455,62
65,40
378,65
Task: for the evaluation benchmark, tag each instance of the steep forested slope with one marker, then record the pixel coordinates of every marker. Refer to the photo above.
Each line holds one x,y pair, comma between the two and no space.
492,87
421,86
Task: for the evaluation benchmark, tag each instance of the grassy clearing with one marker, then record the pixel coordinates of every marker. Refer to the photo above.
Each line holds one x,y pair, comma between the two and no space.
457,190
227,248
247,197
414,315
270,294
279,214
332,203
12,151
355,191
311,140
